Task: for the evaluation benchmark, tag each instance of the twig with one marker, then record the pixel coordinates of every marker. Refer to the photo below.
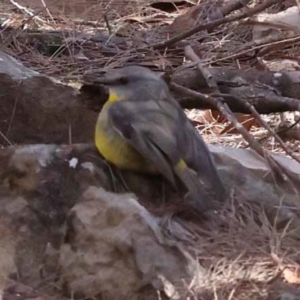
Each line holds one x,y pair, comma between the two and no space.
278,132
230,7
289,127
12,115
5,138
213,24
211,83
48,11
218,102
243,52
223,11
16,4
262,123
19,29
225,111
110,31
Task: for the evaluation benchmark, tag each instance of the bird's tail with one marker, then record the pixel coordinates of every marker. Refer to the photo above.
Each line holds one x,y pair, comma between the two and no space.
199,195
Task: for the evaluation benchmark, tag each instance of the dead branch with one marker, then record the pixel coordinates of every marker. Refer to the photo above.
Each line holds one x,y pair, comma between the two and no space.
280,132
225,111
265,125
231,6
226,9
267,91
274,44
217,101
279,171
213,24
252,86
209,80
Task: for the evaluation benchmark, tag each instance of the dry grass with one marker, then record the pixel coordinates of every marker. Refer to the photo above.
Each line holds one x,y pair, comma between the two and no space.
248,255
212,131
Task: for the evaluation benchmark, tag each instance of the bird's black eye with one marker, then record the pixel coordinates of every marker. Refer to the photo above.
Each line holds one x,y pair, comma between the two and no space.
123,80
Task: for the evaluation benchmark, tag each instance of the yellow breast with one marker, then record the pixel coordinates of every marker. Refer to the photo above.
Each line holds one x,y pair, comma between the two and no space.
114,147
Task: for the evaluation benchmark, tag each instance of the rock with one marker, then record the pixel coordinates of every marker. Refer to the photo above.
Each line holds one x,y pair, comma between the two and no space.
249,175
14,69
41,198
50,110
39,187
116,248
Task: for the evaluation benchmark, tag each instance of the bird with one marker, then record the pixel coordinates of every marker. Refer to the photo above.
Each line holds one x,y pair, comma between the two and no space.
142,128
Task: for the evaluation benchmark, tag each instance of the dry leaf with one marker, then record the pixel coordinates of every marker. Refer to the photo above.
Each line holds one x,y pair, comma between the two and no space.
292,276
246,120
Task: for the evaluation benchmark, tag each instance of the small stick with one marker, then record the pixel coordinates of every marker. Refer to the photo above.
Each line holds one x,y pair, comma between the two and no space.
263,124
211,25
20,7
218,102
278,131
212,84
110,31
225,111
19,29
5,138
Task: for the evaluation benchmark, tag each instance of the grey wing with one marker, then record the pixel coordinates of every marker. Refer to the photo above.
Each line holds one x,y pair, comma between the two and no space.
148,128
198,156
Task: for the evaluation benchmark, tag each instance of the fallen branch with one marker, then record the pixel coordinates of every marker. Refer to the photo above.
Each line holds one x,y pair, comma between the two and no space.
213,24
218,102
231,6
225,111
267,91
265,125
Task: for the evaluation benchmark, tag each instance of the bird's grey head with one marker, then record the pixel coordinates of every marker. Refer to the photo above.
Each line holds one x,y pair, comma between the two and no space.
135,83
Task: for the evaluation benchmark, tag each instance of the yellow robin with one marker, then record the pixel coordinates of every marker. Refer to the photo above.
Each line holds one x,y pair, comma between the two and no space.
143,129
